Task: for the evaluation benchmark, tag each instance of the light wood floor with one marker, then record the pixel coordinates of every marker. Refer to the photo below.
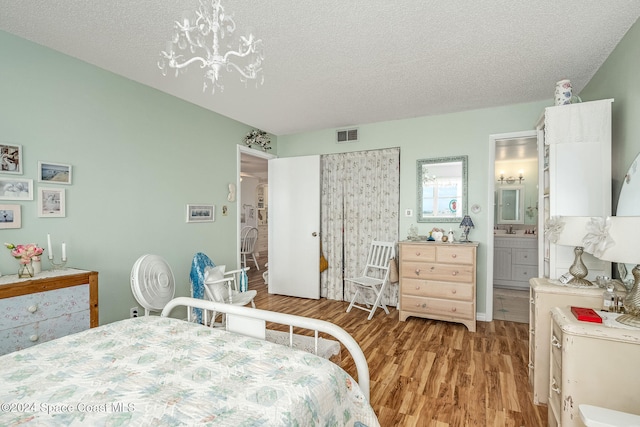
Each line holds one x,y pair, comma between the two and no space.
430,373
511,305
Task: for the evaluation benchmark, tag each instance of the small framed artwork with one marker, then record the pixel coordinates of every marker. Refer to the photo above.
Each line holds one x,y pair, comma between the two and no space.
11,158
200,213
16,189
10,216
51,202
54,173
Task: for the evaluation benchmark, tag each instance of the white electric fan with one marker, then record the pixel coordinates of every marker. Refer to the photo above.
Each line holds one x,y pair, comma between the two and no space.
152,283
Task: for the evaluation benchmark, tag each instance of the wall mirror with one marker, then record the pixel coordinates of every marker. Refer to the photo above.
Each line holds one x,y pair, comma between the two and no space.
442,189
511,204
629,205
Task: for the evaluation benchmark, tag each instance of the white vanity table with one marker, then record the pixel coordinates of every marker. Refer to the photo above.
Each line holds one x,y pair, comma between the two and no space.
593,364
546,294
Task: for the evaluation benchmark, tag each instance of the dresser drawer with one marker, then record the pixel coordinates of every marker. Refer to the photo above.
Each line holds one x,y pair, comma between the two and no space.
438,307
435,289
417,252
20,337
455,254
525,256
443,272
524,272
30,308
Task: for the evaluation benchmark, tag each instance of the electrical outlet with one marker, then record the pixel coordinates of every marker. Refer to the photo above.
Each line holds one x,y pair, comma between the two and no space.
133,312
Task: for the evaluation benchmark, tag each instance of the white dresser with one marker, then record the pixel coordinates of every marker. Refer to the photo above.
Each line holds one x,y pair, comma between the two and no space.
51,305
438,281
545,295
593,364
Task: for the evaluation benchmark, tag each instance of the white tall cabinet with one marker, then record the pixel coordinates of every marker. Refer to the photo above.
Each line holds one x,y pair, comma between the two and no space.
574,143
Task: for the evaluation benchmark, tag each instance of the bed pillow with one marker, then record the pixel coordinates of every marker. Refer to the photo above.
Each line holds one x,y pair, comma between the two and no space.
219,290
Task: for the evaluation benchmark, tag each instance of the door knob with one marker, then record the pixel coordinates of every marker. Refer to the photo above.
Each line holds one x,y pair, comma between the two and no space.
314,234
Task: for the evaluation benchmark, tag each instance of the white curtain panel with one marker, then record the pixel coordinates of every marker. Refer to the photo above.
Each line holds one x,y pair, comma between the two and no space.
360,202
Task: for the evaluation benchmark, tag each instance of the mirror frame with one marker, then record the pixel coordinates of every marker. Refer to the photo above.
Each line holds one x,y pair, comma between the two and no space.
520,207
419,188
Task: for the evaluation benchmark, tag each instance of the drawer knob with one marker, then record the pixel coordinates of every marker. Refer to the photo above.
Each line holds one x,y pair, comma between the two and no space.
417,253
432,268
32,308
453,291
417,287
453,309
555,342
34,338
423,305
553,386
417,271
530,365
454,273
454,256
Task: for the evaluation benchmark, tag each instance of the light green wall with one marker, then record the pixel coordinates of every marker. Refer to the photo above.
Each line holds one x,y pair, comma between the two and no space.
618,79
465,133
468,133
138,156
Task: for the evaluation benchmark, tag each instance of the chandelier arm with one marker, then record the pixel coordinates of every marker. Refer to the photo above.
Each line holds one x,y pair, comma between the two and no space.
251,75
177,64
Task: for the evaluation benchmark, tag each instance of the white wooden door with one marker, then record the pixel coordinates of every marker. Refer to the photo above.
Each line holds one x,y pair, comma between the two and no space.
294,226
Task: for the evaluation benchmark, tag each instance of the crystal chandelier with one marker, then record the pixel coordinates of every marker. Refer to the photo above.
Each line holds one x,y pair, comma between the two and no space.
197,41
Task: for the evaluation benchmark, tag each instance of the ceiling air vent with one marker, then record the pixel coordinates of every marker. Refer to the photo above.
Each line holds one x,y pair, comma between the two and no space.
346,135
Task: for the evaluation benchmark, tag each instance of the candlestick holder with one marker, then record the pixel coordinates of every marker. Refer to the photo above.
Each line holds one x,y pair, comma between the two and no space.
56,265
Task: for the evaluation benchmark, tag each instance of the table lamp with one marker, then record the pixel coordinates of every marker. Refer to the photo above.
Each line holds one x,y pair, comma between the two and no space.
571,231
466,225
624,233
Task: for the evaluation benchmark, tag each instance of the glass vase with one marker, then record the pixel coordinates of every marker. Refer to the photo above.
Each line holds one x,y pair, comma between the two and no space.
25,270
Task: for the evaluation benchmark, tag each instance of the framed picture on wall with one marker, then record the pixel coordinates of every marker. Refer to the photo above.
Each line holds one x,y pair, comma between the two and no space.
10,216
10,158
54,173
200,213
51,202
16,189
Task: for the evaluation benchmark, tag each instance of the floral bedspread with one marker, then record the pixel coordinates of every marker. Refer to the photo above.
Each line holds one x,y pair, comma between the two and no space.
153,371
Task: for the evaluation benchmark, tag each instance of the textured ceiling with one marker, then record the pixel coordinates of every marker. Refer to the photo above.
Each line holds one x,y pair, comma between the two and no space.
337,63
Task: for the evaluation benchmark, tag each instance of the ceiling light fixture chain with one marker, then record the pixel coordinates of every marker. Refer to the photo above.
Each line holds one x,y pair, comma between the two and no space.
198,41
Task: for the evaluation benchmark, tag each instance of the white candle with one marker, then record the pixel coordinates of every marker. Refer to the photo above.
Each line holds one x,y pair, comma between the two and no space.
50,254
64,251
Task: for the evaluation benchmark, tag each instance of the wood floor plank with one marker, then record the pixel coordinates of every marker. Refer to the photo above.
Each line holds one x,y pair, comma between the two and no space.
430,373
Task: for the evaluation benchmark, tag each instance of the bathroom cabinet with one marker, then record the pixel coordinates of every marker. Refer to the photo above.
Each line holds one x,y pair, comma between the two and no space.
515,260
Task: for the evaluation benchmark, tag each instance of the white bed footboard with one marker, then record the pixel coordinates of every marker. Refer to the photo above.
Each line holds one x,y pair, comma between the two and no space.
316,325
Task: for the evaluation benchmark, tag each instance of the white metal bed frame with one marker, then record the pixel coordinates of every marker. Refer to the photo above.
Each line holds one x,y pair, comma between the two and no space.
362,368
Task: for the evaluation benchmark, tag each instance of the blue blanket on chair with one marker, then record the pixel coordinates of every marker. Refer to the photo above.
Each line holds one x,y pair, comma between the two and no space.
196,278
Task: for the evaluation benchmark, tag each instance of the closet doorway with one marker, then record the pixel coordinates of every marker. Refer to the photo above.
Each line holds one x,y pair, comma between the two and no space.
513,164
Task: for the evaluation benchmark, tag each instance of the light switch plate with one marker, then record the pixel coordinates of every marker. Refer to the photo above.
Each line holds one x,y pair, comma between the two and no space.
408,212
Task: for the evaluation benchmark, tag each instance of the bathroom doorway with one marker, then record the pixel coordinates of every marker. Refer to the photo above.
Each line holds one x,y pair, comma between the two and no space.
511,222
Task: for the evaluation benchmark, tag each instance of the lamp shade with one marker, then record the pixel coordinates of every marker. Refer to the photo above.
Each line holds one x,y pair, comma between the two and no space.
573,230
624,235
466,222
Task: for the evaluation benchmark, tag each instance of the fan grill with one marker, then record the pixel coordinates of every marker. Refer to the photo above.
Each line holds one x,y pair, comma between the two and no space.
152,282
